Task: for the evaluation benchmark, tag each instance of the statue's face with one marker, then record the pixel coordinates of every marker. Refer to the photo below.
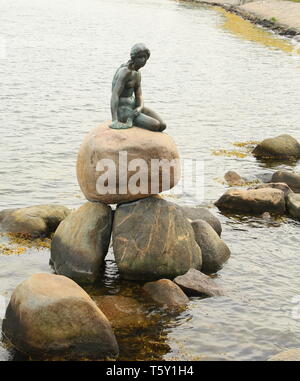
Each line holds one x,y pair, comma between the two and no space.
140,60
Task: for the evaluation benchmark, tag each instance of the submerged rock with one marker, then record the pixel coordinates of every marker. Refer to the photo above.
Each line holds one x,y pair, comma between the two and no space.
152,239
214,251
166,292
50,316
195,213
105,153
194,282
293,205
234,179
122,311
288,355
281,147
252,201
36,221
289,178
81,242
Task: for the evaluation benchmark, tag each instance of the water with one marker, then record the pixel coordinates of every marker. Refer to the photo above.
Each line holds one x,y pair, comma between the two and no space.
213,86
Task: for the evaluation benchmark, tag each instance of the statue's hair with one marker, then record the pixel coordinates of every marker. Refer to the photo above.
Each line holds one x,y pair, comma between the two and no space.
138,48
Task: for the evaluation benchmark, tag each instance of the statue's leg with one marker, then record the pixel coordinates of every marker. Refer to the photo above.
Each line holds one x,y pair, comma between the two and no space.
154,115
149,120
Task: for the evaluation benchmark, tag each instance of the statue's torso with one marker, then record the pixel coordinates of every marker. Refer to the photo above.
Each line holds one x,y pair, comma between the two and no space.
127,101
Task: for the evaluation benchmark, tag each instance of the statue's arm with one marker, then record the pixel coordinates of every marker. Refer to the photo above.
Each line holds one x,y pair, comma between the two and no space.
139,100
116,92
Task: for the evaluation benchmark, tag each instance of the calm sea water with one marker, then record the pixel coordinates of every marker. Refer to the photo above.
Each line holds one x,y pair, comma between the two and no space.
213,87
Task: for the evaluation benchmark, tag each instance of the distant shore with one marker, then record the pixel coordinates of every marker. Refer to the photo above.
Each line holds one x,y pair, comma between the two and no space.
281,16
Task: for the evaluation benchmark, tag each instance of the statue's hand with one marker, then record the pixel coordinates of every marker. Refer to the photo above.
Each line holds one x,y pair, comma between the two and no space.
137,111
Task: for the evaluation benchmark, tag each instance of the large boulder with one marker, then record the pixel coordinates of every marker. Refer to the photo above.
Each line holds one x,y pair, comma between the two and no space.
287,355
36,221
152,239
81,242
281,147
281,186
194,282
195,213
293,205
115,166
289,178
51,316
166,292
214,251
252,201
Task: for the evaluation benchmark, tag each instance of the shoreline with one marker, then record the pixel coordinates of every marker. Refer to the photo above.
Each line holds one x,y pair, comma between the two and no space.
262,13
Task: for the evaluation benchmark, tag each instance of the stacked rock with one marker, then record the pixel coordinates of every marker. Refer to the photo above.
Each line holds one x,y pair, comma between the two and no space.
152,238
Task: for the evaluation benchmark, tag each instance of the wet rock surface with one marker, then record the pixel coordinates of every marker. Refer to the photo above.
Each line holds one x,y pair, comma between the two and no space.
194,282
36,221
252,201
290,178
233,179
281,186
293,205
81,242
166,292
193,213
214,251
50,315
152,239
281,147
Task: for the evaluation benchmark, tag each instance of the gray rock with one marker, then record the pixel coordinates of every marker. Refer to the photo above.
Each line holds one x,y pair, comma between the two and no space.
264,177
152,239
233,179
214,251
50,316
166,292
252,201
194,282
281,147
288,355
293,205
289,178
195,213
81,242
36,221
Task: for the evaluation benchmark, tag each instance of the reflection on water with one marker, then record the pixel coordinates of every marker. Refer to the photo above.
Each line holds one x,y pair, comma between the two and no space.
213,89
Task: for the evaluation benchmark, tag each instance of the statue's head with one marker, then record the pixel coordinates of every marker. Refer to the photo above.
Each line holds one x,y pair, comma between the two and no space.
139,55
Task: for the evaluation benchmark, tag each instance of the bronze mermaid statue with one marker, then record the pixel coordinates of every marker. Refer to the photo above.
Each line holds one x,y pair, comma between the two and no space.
127,104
